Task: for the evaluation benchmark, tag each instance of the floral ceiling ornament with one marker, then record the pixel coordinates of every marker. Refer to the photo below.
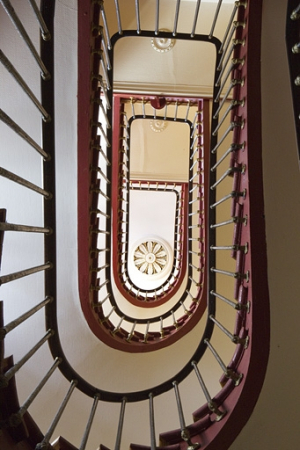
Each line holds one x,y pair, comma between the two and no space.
158,125
162,44
150,257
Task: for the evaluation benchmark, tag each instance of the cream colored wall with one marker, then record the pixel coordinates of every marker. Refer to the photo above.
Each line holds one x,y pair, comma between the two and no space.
274,423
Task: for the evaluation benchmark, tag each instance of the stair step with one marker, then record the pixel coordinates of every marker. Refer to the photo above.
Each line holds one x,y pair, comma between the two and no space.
62,444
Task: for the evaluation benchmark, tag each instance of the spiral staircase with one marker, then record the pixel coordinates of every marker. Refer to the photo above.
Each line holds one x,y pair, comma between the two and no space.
181,353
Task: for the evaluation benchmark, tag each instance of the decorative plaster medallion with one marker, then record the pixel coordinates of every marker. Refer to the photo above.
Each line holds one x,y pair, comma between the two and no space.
150,257
158,125
161,44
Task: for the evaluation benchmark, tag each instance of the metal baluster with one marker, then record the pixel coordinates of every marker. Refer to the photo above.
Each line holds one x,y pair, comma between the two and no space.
15,178
152,424
90,422
237,306
234,62
228,26
233,104
45,32
211,404
98,288
176,18
230,128
236,377
236,248
14,323
234,82
118,17
226,222
120,426
195,18
45,442
4,379
162,333
185,434
105,27
18,130
236,275
98,147
100,103
187,109
104,90
105,319
234,338
157,21
232,148
16,418
97,169
137,12
296,13
19,26
117,328
5,226
215,19
105,49
24,273
128,339
228,172
15,74
176,109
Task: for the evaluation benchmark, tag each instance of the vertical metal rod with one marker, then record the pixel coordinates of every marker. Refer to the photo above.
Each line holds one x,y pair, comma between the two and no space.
15,74
89,423
118,17
104,90
132,107
226,300
152,423
45,32
33,395
104,67
104,46
5,226
24,273
179,405
176,109
176,18
228,28
187,110
228,372
120,426
106,27
57,417
157,21
18,24
18,130
212,406
15,178
137,12
195,18
12,371
215,19
14,323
